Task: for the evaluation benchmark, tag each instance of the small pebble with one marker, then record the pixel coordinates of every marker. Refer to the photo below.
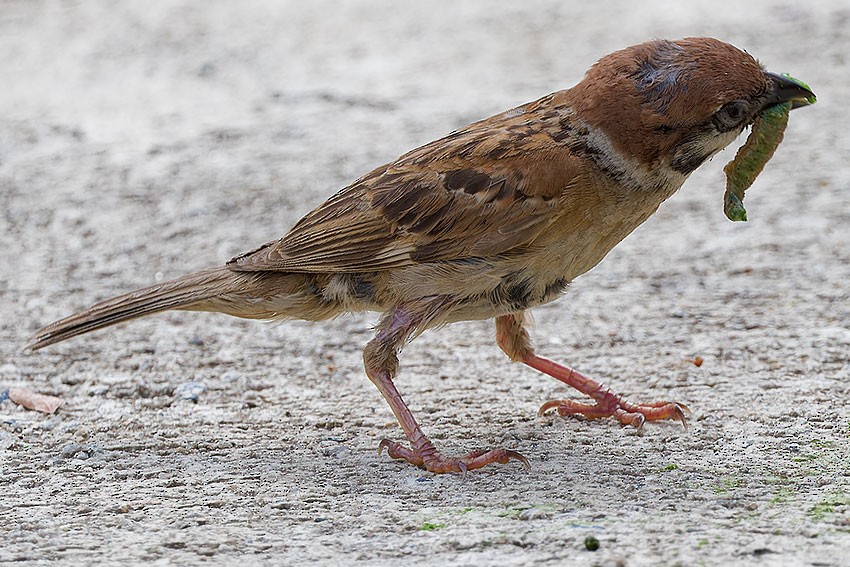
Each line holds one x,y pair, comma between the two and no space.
533,514
337,451
190,391
69,451
591,543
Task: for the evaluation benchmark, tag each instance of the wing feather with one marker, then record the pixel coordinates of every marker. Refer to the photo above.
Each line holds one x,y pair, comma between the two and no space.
479,192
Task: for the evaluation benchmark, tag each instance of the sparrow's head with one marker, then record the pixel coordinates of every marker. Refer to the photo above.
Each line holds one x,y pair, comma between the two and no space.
674,104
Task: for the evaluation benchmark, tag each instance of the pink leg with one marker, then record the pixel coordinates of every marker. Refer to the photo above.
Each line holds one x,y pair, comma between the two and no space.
381,362
513,339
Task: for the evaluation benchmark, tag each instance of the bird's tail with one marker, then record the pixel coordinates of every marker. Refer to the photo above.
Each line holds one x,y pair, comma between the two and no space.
188,292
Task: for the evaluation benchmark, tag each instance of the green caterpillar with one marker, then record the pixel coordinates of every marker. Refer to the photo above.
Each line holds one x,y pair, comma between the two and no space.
765,137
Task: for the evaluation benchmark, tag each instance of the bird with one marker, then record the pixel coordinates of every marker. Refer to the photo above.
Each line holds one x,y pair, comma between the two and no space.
488,222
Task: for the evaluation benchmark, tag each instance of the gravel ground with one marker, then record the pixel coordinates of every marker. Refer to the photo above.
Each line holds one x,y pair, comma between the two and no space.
140,141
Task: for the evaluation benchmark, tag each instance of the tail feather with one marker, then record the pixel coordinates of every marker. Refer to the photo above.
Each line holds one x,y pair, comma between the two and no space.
181,293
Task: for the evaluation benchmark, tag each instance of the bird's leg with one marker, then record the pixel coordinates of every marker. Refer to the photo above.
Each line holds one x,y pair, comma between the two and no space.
381,361
513,339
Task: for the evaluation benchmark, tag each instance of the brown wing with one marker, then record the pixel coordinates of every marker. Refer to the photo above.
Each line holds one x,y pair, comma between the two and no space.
478,192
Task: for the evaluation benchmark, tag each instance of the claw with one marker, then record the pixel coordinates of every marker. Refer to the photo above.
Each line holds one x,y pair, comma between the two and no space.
637,421
518,457
550,405
682,414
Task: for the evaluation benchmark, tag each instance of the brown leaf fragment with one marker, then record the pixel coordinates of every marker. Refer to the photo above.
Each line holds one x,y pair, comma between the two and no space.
33,401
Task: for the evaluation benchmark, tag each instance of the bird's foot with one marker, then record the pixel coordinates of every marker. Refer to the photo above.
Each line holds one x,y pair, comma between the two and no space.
426,456
609,404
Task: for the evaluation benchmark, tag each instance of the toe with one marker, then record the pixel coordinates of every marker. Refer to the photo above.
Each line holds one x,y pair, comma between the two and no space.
400,452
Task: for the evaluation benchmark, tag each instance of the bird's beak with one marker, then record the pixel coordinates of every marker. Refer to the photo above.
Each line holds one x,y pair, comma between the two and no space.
788,89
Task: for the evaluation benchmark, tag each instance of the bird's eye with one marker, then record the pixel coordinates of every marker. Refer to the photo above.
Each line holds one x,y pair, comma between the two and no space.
731,114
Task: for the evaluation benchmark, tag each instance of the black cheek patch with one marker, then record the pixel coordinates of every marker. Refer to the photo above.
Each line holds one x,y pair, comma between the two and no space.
687,163
691,153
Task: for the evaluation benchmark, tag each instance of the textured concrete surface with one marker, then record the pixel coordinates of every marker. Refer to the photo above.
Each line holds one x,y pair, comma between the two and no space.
139,141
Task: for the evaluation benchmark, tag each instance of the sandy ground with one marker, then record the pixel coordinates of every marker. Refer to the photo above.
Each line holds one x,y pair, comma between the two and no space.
144,140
